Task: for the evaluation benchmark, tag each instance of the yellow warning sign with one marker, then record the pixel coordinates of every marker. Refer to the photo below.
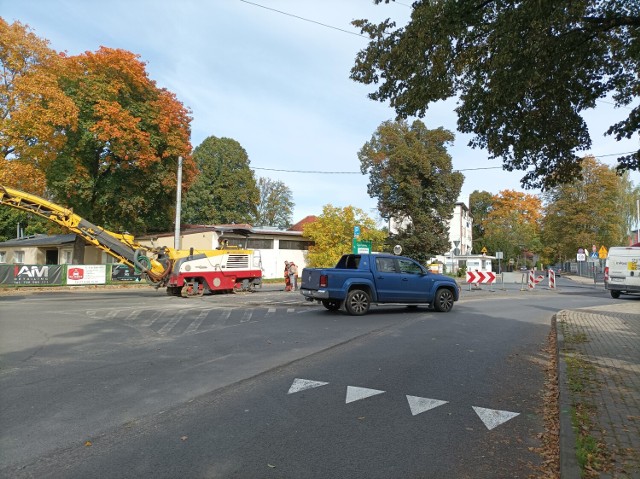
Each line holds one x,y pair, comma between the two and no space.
602,252
484,250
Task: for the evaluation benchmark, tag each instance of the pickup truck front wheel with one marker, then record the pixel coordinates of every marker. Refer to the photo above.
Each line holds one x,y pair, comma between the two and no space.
331,304
357,302
443,301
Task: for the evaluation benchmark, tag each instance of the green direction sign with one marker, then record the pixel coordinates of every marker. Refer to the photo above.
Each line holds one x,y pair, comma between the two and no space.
361,247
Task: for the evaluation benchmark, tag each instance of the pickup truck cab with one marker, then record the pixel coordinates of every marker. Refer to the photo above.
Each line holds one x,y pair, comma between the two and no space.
359,280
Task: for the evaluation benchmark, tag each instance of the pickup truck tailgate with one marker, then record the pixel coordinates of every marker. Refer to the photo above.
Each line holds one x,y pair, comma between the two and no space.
310,278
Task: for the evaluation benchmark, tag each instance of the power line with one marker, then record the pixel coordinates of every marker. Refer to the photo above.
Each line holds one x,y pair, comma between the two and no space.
318,172
305,19
358,172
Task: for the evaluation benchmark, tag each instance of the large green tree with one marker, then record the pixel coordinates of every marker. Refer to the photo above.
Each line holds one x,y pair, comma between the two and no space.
480,204
276,204
596,209
92,132
119,168
524,72
332,234
225,190
410,173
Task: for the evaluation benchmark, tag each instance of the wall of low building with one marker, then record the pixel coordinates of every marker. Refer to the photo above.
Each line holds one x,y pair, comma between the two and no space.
30,255
273,248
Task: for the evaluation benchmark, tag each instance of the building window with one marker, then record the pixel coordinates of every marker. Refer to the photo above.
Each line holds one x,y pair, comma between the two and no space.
3,256
257,243
67,257
18,257
288,244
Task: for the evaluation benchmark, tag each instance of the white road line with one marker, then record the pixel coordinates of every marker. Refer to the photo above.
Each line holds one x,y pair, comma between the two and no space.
164,330
492,417
195,324
303,384
133,315
151,319
418,404
246,316
355,393
225,314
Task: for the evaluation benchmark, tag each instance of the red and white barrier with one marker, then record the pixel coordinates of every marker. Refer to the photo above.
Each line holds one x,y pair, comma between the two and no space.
552,279
481,277
533,280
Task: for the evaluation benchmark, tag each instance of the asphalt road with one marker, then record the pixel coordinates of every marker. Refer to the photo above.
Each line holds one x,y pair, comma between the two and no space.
133,383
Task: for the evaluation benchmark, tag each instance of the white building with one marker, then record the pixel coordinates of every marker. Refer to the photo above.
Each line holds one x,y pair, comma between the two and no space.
460,237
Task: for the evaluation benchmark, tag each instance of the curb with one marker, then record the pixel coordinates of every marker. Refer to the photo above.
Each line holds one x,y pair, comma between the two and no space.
569,468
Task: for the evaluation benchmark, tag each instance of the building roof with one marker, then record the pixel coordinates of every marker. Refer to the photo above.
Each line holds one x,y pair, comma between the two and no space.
239,229
40,240
300,224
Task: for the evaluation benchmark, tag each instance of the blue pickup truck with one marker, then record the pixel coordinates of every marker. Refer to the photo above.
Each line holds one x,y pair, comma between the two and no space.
358,280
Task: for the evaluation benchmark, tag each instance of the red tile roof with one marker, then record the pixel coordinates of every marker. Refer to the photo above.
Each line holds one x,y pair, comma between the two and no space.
299,225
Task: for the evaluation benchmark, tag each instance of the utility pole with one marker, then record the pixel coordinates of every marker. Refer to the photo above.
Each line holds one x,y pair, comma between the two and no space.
176,237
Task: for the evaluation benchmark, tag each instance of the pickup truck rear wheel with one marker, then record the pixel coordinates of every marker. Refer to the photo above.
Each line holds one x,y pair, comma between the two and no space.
443,301
358,302
331,304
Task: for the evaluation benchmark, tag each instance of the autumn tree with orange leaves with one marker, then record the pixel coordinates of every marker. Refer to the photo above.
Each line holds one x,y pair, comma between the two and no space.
513,225
35,113
119,166
101,133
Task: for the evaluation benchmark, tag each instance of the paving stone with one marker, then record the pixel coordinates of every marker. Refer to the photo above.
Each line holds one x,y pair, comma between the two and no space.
608,338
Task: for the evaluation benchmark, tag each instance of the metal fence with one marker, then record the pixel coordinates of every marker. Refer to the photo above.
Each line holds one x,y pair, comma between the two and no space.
586,269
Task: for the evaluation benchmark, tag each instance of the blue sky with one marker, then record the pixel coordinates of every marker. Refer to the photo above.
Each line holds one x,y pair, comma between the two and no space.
277,84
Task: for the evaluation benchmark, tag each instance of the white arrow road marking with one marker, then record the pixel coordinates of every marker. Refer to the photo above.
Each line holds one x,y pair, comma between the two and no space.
492,417
302,384
355,393
418,404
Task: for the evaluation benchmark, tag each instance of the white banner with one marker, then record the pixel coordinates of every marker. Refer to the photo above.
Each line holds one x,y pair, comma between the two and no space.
87,274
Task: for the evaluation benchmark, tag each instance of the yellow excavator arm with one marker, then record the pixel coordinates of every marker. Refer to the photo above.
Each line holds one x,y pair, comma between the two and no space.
121,246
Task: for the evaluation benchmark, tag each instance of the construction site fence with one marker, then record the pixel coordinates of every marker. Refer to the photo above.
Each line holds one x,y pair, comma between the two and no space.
25,275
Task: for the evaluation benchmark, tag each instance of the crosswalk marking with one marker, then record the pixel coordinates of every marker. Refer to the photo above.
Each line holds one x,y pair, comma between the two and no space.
195,324
133,315
151,319
164,330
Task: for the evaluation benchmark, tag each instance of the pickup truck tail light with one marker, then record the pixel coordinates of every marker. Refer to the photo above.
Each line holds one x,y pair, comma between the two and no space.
324,280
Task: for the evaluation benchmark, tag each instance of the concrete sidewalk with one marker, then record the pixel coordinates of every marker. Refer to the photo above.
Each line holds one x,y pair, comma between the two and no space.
599,376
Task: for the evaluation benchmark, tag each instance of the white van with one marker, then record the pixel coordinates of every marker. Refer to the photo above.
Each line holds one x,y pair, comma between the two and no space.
622,270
